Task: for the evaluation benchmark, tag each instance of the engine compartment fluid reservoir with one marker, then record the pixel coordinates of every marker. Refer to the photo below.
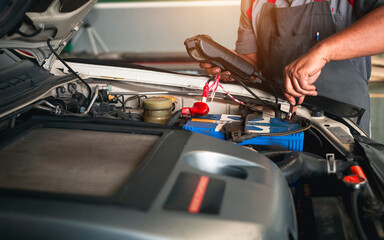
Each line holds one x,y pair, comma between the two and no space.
157,109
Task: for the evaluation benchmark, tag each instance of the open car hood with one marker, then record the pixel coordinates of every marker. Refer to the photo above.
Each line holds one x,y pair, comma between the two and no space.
26,25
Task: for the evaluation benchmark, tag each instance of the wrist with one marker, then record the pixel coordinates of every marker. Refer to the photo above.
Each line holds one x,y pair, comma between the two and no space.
324,49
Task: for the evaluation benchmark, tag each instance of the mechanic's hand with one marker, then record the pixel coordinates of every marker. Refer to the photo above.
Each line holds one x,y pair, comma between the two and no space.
211,70
300,75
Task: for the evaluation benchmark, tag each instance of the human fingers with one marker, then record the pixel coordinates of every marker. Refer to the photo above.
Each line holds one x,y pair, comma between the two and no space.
306,84
302,87
288,85
314,77
209,68
225,78
290,99
212,71
309,84
301,100
299,77
205,65
297,89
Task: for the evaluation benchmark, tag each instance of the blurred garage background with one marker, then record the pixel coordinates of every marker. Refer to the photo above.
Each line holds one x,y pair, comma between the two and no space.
152,33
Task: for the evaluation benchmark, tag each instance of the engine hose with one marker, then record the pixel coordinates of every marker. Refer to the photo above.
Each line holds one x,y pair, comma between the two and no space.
355,215
275,153
303,164
299,164
173,119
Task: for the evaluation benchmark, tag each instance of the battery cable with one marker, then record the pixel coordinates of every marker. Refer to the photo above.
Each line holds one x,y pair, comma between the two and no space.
68,67
304,123
252,93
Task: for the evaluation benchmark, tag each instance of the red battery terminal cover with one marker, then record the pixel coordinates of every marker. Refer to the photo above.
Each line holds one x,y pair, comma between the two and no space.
356,179
358,171
198,109
353,179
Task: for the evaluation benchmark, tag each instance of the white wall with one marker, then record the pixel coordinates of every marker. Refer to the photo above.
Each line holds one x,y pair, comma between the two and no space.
161,26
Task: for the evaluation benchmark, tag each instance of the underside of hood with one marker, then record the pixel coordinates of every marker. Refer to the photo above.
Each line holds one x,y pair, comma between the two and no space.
26,25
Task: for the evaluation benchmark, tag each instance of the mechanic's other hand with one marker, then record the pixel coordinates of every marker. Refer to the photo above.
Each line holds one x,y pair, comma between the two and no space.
300,75
211,70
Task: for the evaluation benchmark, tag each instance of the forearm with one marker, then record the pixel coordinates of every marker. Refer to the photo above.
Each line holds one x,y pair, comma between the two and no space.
363,38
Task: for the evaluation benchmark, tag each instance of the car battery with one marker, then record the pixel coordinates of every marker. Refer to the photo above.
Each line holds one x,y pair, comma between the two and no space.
212,124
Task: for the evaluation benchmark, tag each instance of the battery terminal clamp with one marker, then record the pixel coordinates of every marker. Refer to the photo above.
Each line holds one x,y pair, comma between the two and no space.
291,113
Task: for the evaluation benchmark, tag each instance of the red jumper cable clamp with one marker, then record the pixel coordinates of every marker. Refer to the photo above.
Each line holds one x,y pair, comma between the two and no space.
198,108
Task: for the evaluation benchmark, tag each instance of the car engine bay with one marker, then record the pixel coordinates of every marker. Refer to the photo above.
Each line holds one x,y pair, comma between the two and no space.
105,149
56,134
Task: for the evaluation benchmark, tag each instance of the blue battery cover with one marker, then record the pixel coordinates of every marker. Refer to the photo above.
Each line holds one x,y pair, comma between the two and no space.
211,125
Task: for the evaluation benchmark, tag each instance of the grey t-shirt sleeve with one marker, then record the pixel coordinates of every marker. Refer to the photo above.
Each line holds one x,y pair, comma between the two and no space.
362,7
246,38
